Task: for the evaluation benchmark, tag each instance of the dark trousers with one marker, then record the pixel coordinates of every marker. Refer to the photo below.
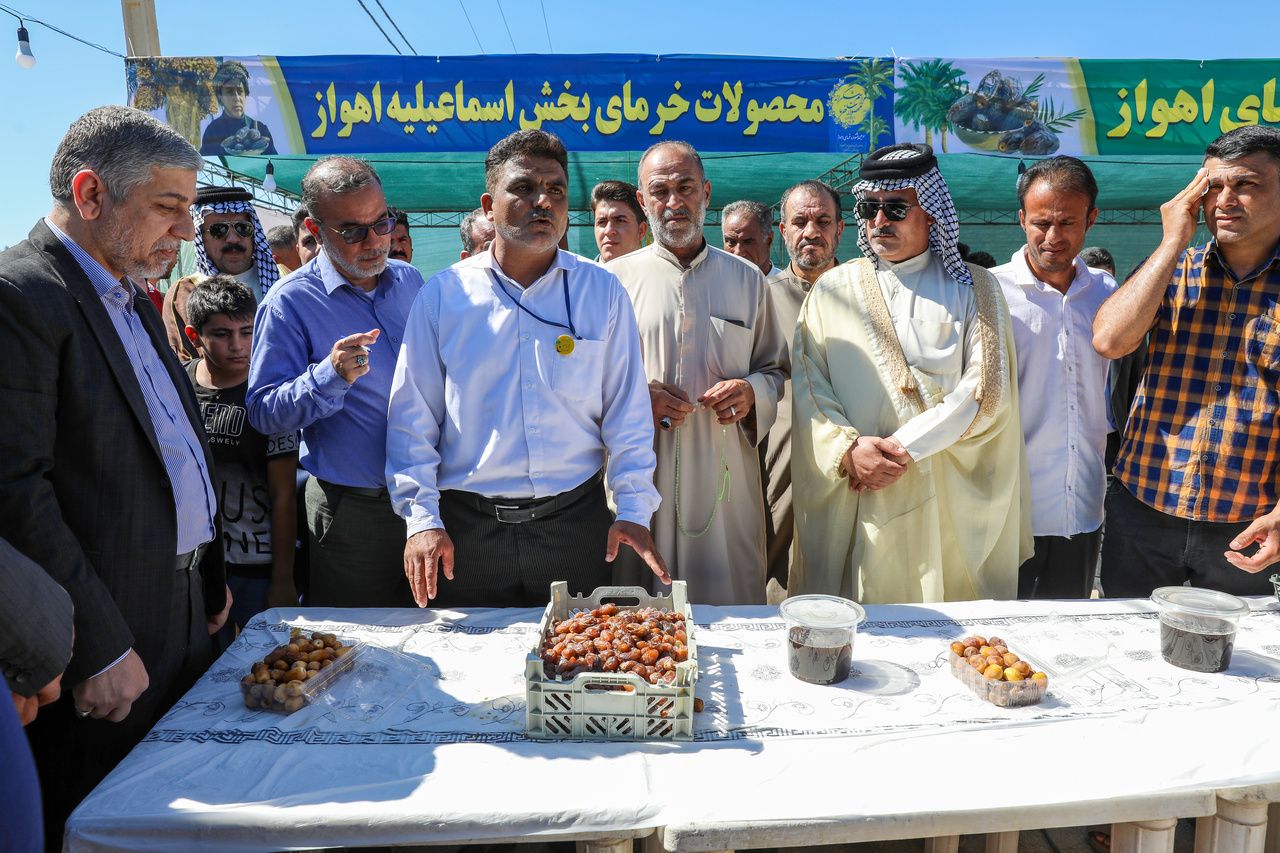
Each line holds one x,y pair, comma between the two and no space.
1145,549
73,755
513,565
1061,567
356,548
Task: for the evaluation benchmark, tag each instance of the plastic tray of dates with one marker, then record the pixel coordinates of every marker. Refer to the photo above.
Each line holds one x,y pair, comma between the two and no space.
992,672
605,668
291,677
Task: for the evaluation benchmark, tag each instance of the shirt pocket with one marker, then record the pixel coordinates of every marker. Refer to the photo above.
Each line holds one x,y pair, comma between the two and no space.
936,346
1263,345
578,376
1262,350
729,349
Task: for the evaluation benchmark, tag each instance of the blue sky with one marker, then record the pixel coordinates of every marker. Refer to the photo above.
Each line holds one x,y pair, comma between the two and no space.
37,105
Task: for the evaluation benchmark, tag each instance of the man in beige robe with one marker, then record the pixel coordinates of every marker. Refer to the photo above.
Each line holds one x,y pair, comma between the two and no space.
716,360
811,226
910,477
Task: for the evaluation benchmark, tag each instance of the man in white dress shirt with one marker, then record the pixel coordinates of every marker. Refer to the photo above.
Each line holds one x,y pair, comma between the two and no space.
520,372
1052,297
908,471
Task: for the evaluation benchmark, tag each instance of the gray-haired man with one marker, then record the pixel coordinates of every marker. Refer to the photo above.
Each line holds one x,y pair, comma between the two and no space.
104,469
747,229
477,233
325,346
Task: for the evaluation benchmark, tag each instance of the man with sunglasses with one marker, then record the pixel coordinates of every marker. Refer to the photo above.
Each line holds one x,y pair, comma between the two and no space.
908,469
325,348
230,240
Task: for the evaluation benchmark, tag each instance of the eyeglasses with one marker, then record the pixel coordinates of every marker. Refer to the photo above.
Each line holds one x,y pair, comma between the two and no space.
382,228
894,211
218,230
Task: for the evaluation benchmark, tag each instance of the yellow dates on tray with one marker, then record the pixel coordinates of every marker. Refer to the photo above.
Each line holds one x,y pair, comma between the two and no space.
996,674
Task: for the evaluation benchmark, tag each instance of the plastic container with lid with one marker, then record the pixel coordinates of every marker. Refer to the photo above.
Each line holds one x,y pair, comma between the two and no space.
1198,626
820,632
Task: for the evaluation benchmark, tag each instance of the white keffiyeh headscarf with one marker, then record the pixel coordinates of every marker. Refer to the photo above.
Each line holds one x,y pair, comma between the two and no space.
934,197
266,263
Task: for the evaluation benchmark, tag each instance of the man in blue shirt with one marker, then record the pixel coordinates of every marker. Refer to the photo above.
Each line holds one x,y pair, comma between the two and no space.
326,342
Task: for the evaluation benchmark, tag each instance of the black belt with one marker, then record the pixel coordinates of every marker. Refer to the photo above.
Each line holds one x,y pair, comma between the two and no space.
520,510
363,491
190,560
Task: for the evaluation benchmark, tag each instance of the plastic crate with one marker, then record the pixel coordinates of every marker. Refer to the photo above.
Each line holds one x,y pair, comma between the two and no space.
610,705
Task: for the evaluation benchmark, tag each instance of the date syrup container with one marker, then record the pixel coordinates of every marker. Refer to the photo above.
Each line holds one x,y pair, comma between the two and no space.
820,632
1198,626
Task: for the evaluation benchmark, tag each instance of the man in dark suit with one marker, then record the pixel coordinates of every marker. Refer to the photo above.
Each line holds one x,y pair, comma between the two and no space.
104,467
35,644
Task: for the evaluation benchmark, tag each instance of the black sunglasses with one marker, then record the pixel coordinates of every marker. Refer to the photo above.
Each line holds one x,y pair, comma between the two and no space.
218,230
894,211
358,234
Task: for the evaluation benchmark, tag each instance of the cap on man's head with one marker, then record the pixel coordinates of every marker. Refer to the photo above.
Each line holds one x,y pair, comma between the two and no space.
897,162
221,195
231,71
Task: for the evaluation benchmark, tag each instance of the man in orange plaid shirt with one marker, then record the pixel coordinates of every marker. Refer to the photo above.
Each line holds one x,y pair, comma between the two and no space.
1196,478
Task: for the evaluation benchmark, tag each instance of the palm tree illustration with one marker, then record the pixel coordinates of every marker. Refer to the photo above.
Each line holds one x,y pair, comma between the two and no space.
924,93
873,75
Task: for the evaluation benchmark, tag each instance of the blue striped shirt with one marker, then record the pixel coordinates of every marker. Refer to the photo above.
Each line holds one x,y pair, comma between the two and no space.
180,447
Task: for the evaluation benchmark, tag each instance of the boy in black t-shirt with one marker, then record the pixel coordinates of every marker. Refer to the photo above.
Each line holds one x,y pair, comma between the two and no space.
255,473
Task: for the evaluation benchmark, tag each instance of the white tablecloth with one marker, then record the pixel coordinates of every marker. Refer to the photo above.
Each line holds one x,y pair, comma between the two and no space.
449,761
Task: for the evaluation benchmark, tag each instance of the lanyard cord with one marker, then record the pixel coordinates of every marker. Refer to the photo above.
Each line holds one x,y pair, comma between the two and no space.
564,282
722,487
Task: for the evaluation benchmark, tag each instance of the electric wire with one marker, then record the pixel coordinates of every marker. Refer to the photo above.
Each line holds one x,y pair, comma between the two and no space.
379,26
394,24
59,31
463,6
543,4
508,26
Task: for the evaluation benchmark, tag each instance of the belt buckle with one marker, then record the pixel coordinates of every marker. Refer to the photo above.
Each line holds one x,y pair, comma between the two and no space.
498,513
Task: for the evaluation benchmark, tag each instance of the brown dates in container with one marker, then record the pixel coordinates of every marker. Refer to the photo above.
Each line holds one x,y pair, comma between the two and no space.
647,643
278,682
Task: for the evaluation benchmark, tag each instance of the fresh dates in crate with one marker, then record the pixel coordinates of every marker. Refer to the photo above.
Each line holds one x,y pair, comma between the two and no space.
648,643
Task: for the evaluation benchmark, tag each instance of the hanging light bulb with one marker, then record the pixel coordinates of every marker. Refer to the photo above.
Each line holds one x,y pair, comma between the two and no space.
269,182
24,56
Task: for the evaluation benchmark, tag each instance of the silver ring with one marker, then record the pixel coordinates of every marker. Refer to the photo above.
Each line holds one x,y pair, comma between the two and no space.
83,714
361,361
733,413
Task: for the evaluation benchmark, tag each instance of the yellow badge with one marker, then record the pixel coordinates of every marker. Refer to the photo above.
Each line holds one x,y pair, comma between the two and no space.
564,344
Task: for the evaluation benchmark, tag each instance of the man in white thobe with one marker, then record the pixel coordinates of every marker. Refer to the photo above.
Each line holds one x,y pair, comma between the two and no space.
908,467
716,360
1053,297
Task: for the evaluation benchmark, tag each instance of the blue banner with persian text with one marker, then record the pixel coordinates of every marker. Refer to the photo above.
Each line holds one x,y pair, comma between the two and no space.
607,102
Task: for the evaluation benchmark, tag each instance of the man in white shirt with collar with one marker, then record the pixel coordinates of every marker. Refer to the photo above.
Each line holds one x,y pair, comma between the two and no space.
519,374
1053,297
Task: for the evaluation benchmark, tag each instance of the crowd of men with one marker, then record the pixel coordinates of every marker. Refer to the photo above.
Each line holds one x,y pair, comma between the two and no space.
907,426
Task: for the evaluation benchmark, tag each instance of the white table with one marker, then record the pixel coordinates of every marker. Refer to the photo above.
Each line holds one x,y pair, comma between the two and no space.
896,751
